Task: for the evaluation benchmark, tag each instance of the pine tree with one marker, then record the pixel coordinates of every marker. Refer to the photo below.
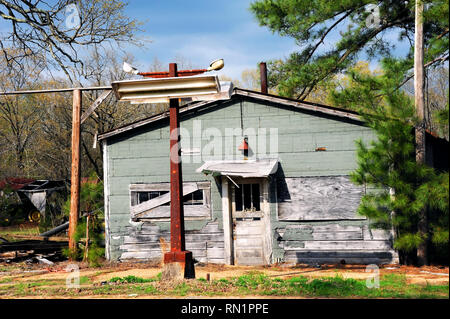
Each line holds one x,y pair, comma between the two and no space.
92,228
401,186
332,35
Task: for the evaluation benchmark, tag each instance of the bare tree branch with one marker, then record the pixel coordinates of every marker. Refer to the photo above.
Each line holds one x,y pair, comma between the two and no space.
55,33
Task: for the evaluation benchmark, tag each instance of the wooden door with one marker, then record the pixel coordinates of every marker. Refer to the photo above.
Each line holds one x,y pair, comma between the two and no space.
248,220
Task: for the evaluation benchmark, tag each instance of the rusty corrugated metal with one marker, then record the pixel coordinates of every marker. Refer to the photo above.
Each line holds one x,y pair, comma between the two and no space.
158,75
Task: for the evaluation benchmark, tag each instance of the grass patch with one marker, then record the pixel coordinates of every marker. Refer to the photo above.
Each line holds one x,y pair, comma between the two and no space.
131,280
5,280
9,232
391,286
84,280
182,289
250,284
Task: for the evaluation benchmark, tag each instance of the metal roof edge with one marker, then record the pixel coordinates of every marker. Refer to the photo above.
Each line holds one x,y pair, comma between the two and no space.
152,119
330,110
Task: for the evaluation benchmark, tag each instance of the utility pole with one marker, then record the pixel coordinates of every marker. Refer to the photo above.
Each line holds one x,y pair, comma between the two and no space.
77,120
75,173
422,251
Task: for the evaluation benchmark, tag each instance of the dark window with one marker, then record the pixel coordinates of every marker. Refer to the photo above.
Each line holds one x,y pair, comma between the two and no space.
255,197
238,198
195,198
146,196
247,197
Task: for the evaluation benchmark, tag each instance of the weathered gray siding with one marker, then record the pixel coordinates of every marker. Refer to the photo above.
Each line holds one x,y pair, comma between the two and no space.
142,156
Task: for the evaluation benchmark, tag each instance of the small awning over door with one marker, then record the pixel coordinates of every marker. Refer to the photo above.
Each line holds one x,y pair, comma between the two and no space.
242,168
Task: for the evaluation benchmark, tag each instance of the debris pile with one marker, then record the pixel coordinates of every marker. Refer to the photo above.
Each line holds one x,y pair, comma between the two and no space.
32,251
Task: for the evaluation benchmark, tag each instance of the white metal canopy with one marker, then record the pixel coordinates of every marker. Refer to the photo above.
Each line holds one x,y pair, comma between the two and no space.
160,90
242,168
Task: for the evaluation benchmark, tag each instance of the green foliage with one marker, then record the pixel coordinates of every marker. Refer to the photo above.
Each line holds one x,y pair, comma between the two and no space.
130,280
389,162
314,24
11,211
91,197
441,118
91,202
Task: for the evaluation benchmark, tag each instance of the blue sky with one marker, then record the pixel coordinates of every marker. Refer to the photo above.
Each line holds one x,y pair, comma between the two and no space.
202,31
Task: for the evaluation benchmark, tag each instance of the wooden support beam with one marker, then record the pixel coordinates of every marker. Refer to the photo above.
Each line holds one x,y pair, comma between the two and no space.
75,174
94,105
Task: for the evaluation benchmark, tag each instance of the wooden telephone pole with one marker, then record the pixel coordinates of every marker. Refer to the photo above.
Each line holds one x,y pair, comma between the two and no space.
77,120
75,172
422,251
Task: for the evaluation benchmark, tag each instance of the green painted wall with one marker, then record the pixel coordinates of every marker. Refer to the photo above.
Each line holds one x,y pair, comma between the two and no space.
141,156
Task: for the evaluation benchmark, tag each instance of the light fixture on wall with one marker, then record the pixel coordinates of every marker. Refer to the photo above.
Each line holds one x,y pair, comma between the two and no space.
244,148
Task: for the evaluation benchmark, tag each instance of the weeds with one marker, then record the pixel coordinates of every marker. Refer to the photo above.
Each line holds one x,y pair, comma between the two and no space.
251,284
130,280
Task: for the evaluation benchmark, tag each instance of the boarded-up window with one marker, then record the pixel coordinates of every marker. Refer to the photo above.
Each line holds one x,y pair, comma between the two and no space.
152,201
318,198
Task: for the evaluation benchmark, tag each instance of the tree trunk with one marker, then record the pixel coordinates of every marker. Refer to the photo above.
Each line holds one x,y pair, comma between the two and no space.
422,254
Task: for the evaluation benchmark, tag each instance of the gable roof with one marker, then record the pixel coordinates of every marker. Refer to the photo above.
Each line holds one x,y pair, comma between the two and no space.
283,101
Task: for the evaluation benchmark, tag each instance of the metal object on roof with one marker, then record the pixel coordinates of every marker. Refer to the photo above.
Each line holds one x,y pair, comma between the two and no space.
15,183
43,185
151,90
214,66
38,191
165,74
226,90
242,168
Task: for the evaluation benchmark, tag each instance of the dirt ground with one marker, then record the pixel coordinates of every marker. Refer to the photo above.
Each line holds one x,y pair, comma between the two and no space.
431,275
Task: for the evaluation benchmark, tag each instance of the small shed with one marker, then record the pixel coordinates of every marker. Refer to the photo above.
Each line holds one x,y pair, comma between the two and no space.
266,180
41,196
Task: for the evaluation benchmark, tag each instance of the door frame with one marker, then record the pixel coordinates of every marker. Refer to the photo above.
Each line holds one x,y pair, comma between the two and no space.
227,213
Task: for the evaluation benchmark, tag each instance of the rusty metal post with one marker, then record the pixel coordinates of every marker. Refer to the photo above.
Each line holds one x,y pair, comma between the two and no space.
75,171
178,262
177,240
263,76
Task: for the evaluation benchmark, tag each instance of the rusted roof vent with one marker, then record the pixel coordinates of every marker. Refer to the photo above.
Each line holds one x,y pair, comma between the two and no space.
263,75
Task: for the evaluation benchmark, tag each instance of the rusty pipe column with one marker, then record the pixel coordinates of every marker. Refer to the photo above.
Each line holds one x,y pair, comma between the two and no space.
75,170
177,238
178,261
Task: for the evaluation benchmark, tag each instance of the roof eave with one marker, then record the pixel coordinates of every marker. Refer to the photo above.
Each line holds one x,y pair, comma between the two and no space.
245,93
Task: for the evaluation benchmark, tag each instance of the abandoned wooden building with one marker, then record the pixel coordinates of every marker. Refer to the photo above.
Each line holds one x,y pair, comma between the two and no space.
265,181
